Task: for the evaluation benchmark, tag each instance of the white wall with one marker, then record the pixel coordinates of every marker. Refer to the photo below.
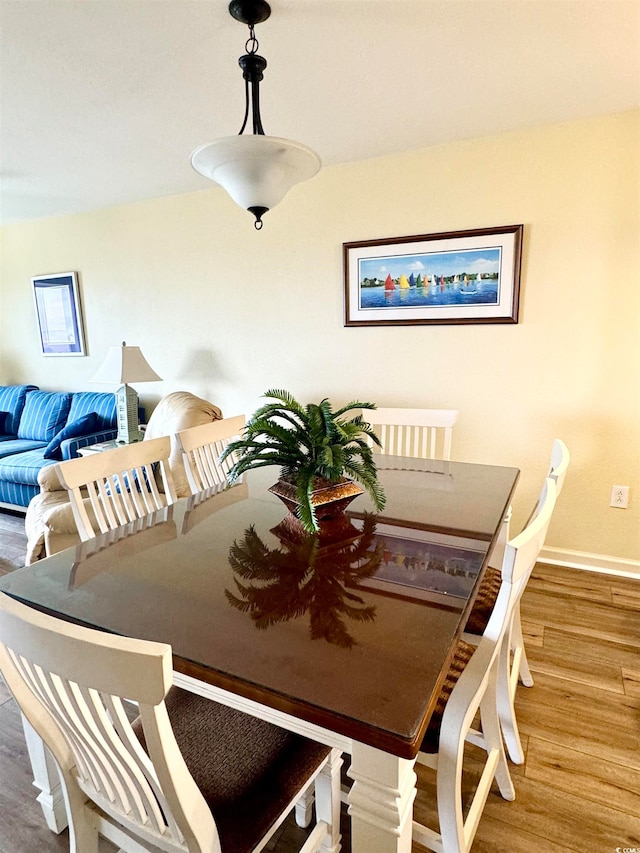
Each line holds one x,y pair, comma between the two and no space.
227,312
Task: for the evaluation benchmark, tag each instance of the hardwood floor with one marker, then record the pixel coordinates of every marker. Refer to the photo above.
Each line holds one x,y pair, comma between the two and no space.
579,789
13,542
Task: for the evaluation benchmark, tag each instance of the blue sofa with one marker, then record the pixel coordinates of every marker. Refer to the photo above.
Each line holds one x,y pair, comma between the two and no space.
40,428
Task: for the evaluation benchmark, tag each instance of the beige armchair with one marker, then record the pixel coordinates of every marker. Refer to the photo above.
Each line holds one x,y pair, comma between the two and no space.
49,522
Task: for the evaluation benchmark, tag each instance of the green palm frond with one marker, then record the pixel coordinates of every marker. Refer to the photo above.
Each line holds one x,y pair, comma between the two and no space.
306,442
286,398
304,488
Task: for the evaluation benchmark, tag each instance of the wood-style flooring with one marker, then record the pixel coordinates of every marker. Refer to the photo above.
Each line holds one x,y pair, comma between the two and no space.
13,542
579,788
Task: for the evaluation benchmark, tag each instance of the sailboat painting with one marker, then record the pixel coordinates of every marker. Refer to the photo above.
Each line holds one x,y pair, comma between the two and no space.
462,278
456,277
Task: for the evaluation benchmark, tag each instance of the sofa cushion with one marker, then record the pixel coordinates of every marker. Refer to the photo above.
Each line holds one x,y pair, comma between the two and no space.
23,468
18,445
12,398
99,402
44,414
17,494
82,426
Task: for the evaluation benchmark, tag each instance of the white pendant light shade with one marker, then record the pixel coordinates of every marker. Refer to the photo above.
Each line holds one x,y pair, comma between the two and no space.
257,171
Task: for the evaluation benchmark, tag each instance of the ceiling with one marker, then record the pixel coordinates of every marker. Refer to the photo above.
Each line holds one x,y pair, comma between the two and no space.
102,101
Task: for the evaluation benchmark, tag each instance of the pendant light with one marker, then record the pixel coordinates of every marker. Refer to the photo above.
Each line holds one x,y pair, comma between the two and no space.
256,170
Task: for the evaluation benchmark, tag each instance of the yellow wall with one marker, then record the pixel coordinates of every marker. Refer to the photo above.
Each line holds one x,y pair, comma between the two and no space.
227,312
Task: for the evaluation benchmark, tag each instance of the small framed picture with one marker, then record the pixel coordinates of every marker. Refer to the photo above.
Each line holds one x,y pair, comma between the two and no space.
59,314
453,277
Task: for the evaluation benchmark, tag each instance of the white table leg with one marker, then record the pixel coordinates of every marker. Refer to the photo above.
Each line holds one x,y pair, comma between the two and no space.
304,807
46,779
380,801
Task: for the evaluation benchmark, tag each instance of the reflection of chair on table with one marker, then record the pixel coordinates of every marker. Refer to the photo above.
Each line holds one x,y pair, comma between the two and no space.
203,504
120,485
188,776
98,555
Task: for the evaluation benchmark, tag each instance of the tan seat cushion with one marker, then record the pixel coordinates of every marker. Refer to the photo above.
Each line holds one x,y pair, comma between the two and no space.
485,602
463,654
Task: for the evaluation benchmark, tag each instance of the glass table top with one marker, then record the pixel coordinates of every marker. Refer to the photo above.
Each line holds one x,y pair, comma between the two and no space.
351,629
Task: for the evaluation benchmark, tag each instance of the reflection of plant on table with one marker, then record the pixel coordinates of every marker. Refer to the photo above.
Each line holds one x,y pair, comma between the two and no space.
284,583
312,445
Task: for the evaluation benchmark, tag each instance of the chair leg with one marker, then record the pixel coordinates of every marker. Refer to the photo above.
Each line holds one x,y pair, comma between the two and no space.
507,680
457,832
83,832
517,644
327,795
492,731
449,794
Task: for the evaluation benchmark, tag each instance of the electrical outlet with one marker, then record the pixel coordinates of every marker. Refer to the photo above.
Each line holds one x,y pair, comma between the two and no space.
620,496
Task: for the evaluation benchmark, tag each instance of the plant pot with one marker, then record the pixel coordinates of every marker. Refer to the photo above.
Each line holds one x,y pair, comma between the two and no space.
336,532
329,499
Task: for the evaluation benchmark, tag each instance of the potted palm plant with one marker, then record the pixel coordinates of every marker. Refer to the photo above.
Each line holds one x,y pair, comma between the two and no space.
320,454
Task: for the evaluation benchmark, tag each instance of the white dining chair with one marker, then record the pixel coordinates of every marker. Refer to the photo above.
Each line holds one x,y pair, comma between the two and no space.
187,776
515,665
557,469
419,433
201,447
471,685
113,488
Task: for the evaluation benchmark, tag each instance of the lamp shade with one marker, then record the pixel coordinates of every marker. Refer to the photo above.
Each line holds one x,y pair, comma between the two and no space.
257,171
125,364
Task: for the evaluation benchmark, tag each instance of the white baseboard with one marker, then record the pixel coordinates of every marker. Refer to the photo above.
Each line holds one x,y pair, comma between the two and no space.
590,562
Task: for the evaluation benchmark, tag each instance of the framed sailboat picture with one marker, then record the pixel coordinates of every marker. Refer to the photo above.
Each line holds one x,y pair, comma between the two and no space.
453,277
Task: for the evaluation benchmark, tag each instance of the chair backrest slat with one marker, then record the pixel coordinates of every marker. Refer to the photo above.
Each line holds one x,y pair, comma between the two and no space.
419,433
120,485
70,683
202,447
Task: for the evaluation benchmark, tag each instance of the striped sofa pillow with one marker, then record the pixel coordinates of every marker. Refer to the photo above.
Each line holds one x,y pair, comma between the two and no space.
44,414
101,403
12,399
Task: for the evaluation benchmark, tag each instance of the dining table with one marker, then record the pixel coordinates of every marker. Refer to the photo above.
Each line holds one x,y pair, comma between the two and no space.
344,636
